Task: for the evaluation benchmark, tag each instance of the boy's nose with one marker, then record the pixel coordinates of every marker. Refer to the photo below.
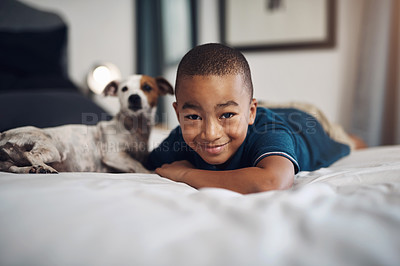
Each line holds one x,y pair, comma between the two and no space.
211,130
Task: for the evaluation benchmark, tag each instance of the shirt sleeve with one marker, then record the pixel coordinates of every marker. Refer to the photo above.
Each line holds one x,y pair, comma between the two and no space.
273,139
173,148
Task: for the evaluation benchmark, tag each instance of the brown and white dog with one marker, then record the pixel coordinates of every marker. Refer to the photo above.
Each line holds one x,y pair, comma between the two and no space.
118,145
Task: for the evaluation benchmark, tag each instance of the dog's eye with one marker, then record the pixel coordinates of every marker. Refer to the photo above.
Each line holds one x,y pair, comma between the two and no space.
147,87
125,88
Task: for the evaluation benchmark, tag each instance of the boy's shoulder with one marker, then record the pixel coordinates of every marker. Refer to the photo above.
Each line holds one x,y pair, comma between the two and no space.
278,112
290,117
275,115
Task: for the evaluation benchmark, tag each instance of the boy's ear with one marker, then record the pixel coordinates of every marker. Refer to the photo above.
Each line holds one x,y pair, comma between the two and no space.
253,111
175,105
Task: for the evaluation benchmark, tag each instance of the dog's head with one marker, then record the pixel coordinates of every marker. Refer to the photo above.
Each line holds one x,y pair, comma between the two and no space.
138,93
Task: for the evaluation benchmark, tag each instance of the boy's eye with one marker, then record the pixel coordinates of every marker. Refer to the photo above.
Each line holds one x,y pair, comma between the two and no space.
227,115
193,117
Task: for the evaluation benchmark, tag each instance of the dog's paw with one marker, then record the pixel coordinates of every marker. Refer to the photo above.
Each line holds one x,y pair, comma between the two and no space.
42,169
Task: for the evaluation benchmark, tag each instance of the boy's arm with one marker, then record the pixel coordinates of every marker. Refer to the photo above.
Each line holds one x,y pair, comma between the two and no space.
271,173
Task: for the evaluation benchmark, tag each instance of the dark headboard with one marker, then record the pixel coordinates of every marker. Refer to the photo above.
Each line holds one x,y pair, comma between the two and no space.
33,48
34,85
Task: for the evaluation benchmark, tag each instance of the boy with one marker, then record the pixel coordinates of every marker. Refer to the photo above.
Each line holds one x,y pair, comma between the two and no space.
224,140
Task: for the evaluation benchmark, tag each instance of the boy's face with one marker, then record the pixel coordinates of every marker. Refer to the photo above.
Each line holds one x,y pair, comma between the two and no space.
214,113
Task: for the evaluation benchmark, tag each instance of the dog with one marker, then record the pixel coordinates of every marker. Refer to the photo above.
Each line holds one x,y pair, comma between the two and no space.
118,145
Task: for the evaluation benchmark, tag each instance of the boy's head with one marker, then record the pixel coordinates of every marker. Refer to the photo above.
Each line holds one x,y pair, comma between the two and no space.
214,59
214,103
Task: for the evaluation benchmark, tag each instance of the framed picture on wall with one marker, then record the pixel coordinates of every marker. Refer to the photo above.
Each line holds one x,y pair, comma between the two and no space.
278,24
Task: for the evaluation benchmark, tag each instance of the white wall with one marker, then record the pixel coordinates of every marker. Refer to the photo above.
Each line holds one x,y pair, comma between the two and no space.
99,30
322,77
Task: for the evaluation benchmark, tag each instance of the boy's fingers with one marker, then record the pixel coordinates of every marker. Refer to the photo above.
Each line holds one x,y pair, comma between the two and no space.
161,170
158,171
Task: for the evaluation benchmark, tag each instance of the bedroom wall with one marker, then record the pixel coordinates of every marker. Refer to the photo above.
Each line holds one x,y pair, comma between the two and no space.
99,30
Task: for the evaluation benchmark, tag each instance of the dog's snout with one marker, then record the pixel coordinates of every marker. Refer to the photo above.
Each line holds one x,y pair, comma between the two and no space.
135,102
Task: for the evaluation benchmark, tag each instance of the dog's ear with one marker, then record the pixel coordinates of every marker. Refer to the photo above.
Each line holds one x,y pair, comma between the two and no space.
111,88
164,86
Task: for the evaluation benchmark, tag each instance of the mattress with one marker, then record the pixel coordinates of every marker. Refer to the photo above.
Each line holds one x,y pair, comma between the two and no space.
346,214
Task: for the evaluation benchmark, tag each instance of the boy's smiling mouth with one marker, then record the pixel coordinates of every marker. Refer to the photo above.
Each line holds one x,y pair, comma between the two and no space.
213,149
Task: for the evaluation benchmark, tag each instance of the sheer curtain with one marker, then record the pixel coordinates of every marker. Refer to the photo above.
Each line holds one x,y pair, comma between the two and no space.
376,113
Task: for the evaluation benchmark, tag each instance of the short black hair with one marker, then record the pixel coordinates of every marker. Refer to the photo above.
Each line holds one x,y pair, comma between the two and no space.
214,59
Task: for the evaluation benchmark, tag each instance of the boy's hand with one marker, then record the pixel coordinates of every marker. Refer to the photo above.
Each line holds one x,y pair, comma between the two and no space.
175,171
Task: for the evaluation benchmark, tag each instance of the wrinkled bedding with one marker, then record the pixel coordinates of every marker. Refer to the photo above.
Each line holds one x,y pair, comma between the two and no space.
346,214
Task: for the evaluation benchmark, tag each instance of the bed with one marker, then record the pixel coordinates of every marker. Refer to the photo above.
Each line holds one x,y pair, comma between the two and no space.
346,214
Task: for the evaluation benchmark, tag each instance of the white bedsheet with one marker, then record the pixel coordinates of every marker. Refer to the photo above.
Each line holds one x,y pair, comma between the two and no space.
347,214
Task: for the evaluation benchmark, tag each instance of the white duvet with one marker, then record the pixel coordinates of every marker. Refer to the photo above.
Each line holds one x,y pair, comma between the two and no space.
347,214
